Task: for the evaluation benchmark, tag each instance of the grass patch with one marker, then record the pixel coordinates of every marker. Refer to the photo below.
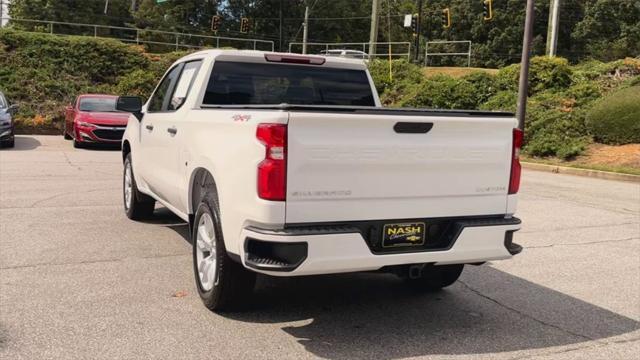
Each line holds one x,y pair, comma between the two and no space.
623,159
559,162
455,72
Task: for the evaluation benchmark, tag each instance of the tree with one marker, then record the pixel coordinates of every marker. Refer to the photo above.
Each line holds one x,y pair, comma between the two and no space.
74,11
610,29
601,29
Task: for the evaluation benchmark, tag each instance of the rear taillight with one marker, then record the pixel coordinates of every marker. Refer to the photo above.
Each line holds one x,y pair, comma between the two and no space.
516,168
272,171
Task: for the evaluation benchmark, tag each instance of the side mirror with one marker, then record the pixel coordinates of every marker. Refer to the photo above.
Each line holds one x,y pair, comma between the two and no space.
13,109
132,104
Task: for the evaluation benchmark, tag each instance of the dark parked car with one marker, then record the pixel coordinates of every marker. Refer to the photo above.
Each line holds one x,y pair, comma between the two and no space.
7,133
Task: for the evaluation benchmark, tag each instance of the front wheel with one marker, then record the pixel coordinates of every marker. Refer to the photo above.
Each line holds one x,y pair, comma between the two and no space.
434,278
8,143
136,204
66,133
222,283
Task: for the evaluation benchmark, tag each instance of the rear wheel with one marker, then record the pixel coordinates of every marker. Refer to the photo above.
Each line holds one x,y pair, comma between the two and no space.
222,283
434,278
136,204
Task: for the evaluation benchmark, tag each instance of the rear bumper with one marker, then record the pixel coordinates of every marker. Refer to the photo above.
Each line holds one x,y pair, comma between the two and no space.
326,250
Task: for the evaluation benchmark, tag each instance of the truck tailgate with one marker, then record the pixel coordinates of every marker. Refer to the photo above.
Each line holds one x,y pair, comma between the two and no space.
378,166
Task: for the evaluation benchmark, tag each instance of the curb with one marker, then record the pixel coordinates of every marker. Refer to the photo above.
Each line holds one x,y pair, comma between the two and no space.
606,175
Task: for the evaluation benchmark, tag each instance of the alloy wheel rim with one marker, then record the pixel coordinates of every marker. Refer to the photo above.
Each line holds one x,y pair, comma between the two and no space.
206,252
128,187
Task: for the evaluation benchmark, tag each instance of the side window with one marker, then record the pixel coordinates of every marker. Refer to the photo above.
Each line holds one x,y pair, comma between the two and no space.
189,72
158,99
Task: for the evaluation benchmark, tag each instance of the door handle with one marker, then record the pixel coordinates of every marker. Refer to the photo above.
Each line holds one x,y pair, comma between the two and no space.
149,127
412,128
172,130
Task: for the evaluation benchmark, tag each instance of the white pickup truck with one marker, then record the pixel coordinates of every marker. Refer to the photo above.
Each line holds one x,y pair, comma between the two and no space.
288,165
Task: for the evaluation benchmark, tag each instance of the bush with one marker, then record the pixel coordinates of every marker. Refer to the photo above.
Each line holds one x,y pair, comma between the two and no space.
545,73
138,82
44,73
404,74
584,93
440,92
502,101
482,85
508,77
615,119
446,92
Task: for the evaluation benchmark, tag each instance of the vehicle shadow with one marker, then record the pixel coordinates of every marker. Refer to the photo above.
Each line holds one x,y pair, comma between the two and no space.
24,143
365,315
164,217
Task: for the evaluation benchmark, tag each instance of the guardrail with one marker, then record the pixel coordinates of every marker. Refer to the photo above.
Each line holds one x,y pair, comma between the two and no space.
361,46
175,40
467,54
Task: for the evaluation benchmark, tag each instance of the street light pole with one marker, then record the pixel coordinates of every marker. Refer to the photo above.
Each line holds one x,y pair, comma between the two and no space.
552,32
373,36
281,18
418,30
305,33
524,68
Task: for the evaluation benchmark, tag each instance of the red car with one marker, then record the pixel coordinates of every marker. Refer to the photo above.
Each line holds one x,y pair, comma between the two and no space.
93,119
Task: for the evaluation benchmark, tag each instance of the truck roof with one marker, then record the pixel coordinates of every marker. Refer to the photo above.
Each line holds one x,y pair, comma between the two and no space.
259,56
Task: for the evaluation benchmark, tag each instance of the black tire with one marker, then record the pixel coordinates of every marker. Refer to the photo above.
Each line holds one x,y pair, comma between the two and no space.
140,206
8,143
435,278
232,283
77,144
66,133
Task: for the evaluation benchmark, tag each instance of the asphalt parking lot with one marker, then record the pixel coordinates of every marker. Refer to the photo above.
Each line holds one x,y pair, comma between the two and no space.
80,280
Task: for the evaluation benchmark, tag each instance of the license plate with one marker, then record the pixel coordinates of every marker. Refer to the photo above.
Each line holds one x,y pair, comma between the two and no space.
405,234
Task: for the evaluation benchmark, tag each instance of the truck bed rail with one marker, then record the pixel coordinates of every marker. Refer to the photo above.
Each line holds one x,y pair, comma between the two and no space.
365,110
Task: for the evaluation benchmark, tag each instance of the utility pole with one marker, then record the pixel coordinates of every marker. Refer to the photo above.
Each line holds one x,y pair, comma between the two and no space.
552,29
281,18
305,33
418,26
373,37
106,6
524,66
1,13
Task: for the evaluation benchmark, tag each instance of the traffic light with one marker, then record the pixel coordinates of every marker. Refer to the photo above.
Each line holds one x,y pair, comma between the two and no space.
244,25
446,18
215,23
414,23
487,9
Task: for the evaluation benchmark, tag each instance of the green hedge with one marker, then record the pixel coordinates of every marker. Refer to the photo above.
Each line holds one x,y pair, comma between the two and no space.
44,73
560,97
545,73
615,119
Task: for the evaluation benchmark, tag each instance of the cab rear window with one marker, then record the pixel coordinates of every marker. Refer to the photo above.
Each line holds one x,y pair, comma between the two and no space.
236,83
